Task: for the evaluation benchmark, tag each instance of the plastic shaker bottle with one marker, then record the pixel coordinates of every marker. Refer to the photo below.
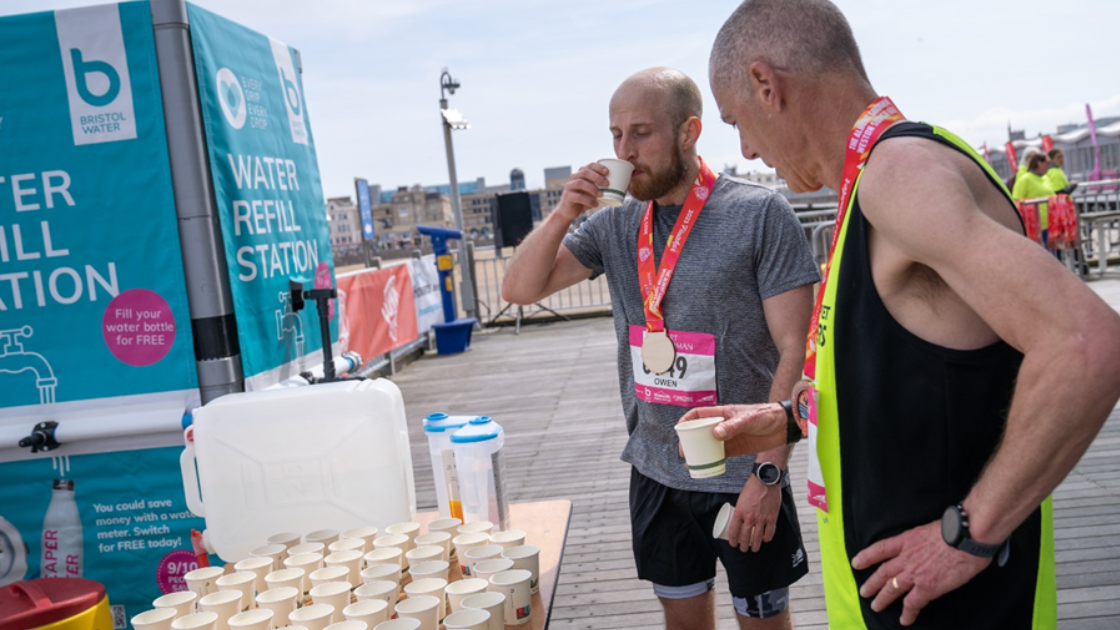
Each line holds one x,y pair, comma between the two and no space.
439,427
482,484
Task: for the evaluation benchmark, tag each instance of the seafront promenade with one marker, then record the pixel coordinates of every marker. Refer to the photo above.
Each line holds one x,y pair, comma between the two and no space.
555,389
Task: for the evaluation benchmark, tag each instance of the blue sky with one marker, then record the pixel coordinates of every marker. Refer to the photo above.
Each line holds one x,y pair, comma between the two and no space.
536,76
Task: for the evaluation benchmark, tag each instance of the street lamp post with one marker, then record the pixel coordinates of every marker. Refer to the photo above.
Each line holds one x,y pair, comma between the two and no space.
453,119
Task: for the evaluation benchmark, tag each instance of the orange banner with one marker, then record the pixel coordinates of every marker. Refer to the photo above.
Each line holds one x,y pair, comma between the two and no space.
380,310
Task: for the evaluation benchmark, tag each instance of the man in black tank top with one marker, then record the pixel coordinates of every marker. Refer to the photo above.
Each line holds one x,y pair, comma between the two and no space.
947,395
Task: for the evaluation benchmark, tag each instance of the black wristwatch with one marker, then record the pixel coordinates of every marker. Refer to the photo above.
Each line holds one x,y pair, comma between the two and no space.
793,427
767,472
954,530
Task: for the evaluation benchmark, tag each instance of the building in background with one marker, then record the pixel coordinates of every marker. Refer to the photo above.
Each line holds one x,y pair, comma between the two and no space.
345,224
516,180
1077,143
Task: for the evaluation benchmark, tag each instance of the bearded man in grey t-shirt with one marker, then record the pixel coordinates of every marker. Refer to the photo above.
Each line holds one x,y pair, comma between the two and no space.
736,309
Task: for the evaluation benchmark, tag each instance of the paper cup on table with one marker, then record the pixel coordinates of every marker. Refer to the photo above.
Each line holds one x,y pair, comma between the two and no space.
155,619
528,558
423,608
334,594
182,602
410,529
201,581
252,620
196,621
491,602
371,611
382,590
449,525
364,534
458,591
225,604
399,624
308,547
313,617
308,562
436,539
464,543
477,527
287,577
723,521
347,544
432,568
274,552
481,554
348,625
434,587
618,181
515,586
288,539
351,560
508,538
467,620
416,555
378,572
244,582
703,453
281,601
330,574
385,555
394,541
325,536
259,567
487,568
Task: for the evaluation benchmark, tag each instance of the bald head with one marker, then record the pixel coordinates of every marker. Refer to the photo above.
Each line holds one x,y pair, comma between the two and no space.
674,92
802,37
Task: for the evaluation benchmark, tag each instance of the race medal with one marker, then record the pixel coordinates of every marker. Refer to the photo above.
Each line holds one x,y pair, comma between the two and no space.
658,352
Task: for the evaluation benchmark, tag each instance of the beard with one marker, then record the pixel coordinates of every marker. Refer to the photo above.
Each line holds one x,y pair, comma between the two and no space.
658,184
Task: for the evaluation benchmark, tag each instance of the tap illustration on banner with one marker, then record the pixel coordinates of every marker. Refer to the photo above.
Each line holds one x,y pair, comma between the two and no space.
15,360
289,322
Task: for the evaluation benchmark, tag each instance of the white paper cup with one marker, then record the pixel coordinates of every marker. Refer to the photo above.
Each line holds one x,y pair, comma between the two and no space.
432,568
480,554
515,586
225,604
723,521
508,538
423,608
491,602
528,558
201,581
410,529
449,525
618,181
385,555
351,560
487,568
436,539
282,601
467,620
399,624
395,541
155,619
325,536
464,543
252,620
364,534
309,562
330,574
308,547
288,577
388,572
347,544
243,581
273,551
703,453
182,602
334,594
458,591
288,539
348,625
196,621
434,587
477,527
371,611
313,617
416,555
383,590
259,567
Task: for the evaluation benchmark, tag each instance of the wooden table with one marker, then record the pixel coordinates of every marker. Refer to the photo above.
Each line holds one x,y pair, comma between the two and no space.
545,524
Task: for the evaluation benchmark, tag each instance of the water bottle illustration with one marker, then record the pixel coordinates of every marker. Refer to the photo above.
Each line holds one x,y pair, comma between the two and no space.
62,534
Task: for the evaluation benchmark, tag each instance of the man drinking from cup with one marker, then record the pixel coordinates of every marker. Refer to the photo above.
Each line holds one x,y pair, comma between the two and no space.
711,281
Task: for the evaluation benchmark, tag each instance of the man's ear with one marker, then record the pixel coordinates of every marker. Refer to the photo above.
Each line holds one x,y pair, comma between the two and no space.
689,133
765,86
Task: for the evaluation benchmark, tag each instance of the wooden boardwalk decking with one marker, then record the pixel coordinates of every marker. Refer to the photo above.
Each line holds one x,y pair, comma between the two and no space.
555,389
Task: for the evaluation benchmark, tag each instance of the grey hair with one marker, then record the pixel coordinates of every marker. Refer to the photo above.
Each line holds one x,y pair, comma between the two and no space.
682,97
804,37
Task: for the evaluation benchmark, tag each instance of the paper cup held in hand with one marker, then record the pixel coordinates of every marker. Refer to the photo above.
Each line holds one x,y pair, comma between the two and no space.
703,453
618,180
723,521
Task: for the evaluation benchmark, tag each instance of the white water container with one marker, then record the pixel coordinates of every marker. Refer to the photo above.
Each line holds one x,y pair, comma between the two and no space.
482,472
330,456
61,555
439,427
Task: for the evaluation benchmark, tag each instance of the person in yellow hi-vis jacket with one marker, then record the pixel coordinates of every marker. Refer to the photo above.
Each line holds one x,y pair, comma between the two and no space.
1031,183
1056,177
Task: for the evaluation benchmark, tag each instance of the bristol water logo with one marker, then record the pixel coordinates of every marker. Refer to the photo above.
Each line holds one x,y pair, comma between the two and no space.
231,97
290,91
98,85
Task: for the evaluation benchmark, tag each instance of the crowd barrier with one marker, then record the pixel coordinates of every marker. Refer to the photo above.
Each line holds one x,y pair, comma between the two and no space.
586,297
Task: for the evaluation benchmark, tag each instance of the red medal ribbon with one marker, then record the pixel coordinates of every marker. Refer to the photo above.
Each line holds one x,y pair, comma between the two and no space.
655,282
879,115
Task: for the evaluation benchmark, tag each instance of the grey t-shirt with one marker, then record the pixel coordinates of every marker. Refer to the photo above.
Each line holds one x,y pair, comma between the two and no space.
746,246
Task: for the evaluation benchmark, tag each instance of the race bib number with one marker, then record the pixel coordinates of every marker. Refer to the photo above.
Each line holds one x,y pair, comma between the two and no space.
690,382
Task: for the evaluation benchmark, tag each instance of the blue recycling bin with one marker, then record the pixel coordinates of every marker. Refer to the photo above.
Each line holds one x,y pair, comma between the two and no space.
454,335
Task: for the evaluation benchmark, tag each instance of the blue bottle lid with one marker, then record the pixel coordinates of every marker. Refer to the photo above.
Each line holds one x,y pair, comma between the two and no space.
480,429
440,422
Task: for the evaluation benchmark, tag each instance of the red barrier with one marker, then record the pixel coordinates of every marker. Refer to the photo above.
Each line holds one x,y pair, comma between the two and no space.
1063,222
380,310
1028,211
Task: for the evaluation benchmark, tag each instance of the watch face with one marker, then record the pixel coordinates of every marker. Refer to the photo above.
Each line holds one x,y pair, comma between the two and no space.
951,526
769,474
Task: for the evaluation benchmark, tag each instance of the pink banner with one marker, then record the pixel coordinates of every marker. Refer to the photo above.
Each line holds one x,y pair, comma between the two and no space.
675,397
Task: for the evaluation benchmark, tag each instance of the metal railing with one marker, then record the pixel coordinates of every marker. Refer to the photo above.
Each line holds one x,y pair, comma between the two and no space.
583,298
